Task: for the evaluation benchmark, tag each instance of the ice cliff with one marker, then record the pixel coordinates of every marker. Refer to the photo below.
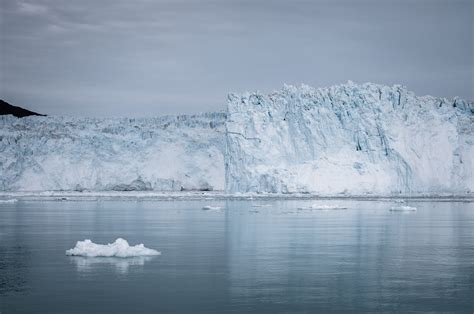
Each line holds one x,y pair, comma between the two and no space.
349,139
164,153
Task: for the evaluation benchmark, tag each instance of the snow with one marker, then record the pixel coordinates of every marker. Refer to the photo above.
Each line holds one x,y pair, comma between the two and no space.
169,153
402,208
349,140
120,248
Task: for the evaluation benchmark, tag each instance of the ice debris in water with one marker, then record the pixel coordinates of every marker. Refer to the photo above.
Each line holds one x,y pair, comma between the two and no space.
10,201
322,207
209,207
402,208
120,248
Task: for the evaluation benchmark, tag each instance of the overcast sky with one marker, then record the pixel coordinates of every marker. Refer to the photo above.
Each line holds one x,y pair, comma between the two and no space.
144,57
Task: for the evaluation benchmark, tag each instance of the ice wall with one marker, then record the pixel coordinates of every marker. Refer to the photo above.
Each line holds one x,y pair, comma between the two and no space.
164,153
349,139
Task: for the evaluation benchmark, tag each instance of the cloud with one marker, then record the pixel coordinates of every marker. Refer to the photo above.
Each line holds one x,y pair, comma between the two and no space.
31,9
143,57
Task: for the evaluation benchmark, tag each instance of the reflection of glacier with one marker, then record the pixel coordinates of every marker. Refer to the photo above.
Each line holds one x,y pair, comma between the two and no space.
363,253
347,139
121,265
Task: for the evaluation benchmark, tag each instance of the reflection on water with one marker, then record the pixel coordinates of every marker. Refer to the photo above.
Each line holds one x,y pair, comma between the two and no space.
121,265
250,257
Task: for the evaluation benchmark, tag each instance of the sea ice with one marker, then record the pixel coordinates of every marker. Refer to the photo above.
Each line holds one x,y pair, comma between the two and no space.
120,248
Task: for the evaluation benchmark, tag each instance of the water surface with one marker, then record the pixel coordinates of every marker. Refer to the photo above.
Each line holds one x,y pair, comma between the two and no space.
243,258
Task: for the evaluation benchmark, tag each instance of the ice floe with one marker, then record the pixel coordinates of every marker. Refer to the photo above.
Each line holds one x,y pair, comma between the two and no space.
120,248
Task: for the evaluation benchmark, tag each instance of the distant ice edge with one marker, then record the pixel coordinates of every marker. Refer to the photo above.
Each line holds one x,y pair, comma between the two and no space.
120,248
350,139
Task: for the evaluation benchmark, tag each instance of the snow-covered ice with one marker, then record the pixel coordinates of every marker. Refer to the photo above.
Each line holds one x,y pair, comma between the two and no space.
120,248
402,208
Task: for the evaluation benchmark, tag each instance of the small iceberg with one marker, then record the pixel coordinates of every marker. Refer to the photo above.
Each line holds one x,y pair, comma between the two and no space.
261,205
323,207
402,209
120,248
209,207
10,201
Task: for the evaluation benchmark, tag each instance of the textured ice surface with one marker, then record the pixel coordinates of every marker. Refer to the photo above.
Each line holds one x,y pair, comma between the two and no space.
349,140
169,153
338,141
120,248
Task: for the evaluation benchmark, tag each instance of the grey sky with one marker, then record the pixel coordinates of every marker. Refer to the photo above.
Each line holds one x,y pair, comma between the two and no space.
143,57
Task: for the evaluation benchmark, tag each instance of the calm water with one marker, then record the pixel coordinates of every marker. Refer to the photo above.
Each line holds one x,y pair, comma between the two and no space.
274,259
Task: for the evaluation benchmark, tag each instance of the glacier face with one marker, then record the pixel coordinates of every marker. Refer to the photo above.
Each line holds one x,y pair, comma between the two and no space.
61,153
349,139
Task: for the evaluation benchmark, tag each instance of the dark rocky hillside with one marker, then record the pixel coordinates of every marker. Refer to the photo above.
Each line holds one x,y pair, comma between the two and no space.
6,108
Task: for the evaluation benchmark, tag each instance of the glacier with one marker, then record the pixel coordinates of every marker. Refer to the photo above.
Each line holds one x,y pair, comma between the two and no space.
169,153
349,139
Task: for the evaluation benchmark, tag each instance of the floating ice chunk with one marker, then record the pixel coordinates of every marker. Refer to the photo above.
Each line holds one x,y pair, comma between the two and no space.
400,201
10,201
209,207
120,248
261,205
402,208
323,207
